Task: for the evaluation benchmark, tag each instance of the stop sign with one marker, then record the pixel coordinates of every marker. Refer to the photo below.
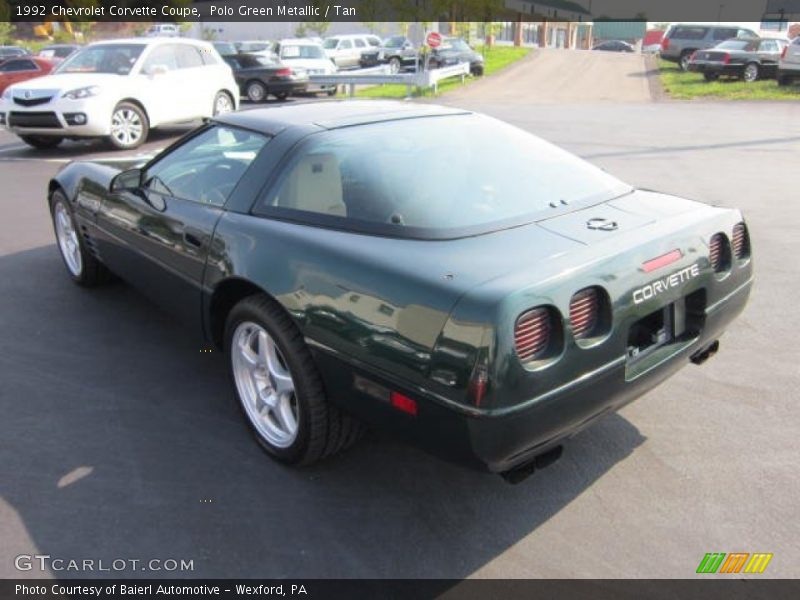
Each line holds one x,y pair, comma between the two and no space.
434,39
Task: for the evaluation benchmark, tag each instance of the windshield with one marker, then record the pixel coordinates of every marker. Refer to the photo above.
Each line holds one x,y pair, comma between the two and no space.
738,45
251,61
394,42
103,58
330,43
435,177
302,51
459,45
225,48
253,46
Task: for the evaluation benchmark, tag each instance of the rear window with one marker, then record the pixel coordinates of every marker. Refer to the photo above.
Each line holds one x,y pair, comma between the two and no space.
724,33
748,45
437,177
689,33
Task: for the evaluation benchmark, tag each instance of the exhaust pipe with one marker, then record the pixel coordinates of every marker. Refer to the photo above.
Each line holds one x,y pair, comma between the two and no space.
523,471
703,355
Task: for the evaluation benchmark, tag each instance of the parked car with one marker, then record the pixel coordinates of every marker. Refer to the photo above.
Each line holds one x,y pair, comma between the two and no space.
22,68
789,65
259,77
454,51
262,47
614,46
119,90
345,50
651,42
488,310
747,59
397,51
681,41
163,30
225,48
58,52
6,51
309,56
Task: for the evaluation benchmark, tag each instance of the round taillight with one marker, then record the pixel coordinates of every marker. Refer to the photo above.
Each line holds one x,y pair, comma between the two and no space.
532,333
740,241
583,312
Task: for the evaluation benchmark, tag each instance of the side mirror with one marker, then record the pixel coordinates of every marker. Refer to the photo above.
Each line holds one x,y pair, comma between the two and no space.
127,180
155,70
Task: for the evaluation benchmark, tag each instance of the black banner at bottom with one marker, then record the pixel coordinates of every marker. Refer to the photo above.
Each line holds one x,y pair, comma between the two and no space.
356,589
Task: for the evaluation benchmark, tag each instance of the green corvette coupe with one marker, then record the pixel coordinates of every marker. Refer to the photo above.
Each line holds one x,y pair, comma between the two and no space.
427,270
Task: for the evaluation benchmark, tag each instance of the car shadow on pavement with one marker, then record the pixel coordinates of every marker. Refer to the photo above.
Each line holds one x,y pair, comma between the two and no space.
121,439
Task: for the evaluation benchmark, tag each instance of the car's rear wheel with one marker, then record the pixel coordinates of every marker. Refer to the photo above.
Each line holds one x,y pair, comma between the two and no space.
784,80
279,387
684,60
83,268
223,103
750,73
394,65
42,142
332,91
129,126
710,76
256,91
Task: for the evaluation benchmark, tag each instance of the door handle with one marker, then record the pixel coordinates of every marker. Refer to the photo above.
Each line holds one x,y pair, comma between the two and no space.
192,240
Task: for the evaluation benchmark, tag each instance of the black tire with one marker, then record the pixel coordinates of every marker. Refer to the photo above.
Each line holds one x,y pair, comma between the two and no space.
333,91
42,142
683,61
323,429
394,64
710,76
118,140
222,97
747,72
256,91
93,272
282,96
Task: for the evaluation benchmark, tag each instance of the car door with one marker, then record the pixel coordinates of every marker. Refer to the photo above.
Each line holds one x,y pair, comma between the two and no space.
162,86
156,226
198,82
769,54
359,45
344,53
16,70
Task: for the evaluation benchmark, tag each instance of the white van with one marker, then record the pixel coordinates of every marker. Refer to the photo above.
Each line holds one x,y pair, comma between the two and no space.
345,50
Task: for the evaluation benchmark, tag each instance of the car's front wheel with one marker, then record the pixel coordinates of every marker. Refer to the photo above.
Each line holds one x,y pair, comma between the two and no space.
750,72
685,59
82,266
394,65
223,103
256,91
710,76
129,126
43,142
279,387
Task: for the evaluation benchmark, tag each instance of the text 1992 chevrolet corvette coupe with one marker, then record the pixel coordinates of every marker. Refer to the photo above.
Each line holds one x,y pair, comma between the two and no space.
429,270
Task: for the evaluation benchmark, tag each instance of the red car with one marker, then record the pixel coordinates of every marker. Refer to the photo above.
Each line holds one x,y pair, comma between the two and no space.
22,68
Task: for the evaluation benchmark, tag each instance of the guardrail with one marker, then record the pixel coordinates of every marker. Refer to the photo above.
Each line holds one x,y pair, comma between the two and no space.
381,75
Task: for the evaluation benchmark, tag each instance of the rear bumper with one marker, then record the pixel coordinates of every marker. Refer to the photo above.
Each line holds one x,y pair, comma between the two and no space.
503,439
715,67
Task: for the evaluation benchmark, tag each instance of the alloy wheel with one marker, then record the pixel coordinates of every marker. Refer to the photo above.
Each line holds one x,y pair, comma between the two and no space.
67,238
750,73
265,384
222,104
126,127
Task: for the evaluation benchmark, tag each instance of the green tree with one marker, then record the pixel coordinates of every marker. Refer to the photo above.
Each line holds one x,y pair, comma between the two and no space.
6,28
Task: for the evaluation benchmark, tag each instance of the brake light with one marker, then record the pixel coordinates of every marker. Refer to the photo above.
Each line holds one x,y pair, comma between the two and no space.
783,52
403,403
583,310
741,242
726,58
665,43
532,333
478,384
283,72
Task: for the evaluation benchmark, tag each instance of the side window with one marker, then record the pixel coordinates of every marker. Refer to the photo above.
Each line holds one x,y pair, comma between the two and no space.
769,46
724,33
746,33
163,56
360,43
189,57
313,184
689,33
14,66
207,168
374,42
345,44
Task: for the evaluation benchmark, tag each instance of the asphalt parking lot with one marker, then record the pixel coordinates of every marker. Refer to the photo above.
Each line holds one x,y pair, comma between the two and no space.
121,439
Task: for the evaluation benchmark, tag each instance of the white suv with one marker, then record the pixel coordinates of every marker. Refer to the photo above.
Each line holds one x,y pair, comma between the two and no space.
120,90
345,50
789,65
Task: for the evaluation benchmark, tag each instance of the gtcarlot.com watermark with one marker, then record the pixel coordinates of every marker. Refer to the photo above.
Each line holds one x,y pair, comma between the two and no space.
45,562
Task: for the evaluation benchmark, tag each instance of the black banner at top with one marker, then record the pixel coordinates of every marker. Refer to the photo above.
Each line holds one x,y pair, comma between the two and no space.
401,10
